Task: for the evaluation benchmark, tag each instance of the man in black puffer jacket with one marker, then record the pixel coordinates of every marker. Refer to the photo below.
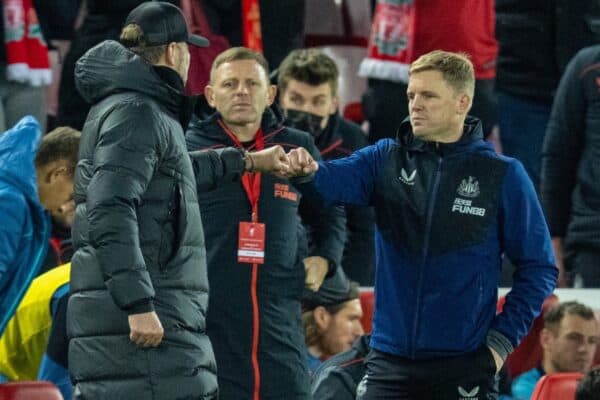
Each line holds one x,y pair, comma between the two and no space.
139,269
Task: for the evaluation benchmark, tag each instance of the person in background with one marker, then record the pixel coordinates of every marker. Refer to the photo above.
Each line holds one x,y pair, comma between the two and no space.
448,208
36,178
568,340
25,339
569,189
307,84
331,318
338,377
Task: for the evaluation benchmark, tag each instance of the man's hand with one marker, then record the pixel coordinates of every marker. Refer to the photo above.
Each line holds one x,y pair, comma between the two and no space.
272,159
301,162
145,329
316,268
499,361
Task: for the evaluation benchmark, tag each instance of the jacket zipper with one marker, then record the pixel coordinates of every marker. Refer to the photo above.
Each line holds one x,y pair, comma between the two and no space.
430,207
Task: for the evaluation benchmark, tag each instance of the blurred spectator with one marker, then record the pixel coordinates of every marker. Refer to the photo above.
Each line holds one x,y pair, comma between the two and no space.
26,191
282,24
338,377
60,246
402,31
24,341
569,341
308,83
24,64
589,386
570,159
537,39
254,307
331,318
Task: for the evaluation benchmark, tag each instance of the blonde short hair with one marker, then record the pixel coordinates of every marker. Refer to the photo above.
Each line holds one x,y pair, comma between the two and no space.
456,68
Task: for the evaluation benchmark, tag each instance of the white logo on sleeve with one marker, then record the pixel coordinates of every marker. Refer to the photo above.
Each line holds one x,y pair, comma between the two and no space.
407,179
472,395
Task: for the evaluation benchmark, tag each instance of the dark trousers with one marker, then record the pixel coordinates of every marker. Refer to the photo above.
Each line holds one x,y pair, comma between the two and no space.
466,377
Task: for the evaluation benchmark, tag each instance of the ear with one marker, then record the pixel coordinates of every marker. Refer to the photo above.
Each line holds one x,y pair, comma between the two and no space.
209,94
464,104
271,94
334,105
322,317
170,58
55,171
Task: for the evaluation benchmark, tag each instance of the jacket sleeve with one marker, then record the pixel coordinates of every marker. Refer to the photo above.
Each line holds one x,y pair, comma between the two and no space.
214,167
527,244
125,158
13,210
351,180
562,149
326,225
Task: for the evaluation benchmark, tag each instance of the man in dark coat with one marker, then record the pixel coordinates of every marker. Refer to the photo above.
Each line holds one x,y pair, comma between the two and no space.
254,307
139,289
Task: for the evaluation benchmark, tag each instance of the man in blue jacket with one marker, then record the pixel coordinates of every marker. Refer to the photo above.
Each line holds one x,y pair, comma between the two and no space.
447,209
34,178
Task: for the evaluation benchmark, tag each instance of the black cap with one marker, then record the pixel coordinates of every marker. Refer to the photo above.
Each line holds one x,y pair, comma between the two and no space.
335,290
162,23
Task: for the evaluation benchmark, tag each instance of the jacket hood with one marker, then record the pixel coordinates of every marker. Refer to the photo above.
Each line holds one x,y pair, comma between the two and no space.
18,147
272,120
110,68
472,133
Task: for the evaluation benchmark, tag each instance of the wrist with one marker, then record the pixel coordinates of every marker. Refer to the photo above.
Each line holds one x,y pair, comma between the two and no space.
248,161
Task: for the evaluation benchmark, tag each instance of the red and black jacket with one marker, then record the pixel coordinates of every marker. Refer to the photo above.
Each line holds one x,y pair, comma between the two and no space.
254,310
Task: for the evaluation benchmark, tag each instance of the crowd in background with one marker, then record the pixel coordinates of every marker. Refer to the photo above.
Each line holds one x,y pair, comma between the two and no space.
536,93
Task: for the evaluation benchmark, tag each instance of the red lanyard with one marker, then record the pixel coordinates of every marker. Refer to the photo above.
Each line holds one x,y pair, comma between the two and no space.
250,180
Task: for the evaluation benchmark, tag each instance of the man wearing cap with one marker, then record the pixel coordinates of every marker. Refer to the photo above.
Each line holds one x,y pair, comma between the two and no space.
331,318
139,287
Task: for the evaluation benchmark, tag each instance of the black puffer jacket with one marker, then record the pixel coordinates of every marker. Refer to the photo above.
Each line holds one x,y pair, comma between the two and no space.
538,38
138,235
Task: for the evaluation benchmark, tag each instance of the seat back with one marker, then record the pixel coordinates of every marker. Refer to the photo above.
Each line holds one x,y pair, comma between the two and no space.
367,301
29,390
557,386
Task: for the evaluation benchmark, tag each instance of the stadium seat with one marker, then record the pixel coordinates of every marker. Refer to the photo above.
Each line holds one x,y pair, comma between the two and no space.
29,390
557,386
367,301
529,353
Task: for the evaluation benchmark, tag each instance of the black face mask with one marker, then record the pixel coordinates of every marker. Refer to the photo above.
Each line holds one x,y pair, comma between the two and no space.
304,121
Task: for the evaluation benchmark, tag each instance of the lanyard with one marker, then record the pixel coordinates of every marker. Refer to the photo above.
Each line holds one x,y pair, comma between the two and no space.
250,180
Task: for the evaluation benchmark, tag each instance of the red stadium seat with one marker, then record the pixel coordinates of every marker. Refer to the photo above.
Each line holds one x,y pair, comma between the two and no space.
529,353
367,301
29,390
557,386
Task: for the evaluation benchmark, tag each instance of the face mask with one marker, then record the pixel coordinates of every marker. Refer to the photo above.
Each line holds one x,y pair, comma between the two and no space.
304,121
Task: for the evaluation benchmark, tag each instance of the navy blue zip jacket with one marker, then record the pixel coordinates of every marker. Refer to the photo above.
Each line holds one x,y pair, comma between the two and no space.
243,305
445,214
